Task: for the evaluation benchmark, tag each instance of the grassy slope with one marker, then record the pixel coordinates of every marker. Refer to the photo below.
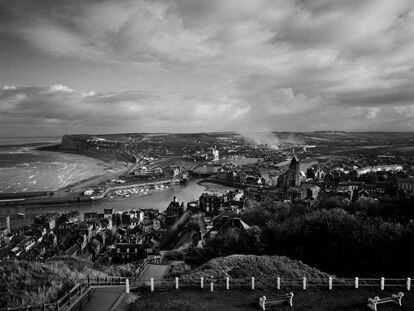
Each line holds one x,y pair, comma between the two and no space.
232,300
240,266
23,282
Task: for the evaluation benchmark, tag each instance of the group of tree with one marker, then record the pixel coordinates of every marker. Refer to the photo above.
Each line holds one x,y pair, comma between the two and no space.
345,240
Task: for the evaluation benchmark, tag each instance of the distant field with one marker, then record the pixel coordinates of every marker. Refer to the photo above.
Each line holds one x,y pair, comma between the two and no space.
318,300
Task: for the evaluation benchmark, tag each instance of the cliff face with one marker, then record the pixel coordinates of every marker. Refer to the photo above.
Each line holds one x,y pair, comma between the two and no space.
74,142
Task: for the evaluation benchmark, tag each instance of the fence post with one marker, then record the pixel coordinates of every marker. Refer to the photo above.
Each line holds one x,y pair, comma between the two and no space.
252,282
330,283
44,307
27,308
304,282
97,280
69,299
176,283
57,305
278,282
89,281
382,283
152,284
408,284
356,282
202,282
211,286
227,283
127,286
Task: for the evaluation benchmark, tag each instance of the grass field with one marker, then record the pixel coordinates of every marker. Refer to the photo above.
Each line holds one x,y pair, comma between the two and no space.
232,300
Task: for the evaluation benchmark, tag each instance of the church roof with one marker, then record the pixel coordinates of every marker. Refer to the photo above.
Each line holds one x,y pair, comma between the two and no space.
294,163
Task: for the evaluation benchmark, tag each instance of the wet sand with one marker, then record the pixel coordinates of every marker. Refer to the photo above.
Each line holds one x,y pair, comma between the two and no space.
28,169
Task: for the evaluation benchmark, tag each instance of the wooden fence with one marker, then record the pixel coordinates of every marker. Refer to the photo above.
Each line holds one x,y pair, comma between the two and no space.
271,283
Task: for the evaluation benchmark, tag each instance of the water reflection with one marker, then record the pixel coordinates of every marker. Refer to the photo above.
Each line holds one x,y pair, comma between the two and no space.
158,199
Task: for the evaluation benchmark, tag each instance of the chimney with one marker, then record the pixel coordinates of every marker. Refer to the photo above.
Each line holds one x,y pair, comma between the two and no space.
175,199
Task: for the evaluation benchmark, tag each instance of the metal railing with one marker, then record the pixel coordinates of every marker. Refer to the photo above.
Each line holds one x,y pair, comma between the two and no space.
75,296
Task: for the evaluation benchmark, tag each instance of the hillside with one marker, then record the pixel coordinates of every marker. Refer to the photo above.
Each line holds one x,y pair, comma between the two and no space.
241,266
23,282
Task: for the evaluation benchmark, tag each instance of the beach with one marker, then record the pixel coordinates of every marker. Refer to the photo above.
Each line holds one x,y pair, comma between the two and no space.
25,168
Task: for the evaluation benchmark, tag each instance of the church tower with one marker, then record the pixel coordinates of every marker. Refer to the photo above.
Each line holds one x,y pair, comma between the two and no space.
294,172
291,178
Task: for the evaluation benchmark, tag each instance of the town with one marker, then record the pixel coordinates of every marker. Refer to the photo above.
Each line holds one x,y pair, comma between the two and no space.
344,178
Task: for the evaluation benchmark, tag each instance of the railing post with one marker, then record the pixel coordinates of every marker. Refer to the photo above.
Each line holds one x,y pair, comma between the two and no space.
89,281
202,282
69,302
227,283
97,280
252,282
211,286
127,286
278,282
27,308
44,307
304,282
408,284
152,284
382,283
356,282
57,305
330,283
176,283
106,280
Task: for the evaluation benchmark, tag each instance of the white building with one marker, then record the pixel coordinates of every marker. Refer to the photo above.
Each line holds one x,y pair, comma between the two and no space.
216,155
379,168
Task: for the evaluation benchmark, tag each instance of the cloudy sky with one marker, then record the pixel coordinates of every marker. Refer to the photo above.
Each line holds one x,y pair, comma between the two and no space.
189,66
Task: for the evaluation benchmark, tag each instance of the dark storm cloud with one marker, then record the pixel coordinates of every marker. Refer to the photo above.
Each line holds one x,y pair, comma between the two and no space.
232,64
378,97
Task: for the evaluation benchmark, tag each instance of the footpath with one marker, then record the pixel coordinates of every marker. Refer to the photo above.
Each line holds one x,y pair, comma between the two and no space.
106,299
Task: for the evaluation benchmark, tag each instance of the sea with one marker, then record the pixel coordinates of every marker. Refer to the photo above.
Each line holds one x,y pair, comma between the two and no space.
24,168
